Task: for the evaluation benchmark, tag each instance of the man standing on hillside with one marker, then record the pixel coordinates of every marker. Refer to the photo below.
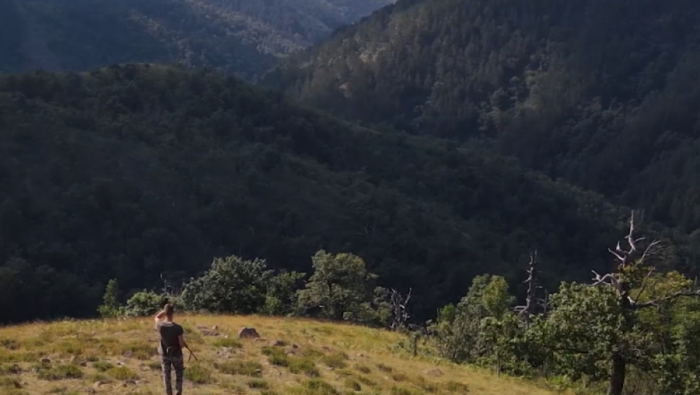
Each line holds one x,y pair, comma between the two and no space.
172,342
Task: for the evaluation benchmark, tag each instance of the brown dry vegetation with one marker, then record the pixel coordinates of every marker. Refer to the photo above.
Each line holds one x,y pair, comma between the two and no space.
119,356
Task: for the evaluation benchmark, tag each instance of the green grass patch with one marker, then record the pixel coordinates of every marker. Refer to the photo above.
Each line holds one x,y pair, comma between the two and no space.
242,368
155,366
303,366
16,357
122,373
335,360
101,377
455,387
228,342
258,384
68,347
139,350
33,343
102,366
319,387
91,358
275,356
311,352
364,380
9,344
402,391
199,374
10,369
62,390
10,382
60,372
352,384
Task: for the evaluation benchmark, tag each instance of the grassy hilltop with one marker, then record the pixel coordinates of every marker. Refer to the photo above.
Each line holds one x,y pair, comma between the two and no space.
118,356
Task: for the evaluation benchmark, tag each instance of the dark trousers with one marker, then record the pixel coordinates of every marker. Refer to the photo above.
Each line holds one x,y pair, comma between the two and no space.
168,363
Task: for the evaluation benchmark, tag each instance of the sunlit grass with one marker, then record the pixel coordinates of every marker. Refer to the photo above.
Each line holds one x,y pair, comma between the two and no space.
294,356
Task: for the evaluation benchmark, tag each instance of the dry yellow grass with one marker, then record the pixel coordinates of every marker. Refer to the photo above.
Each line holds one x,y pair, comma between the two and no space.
119,357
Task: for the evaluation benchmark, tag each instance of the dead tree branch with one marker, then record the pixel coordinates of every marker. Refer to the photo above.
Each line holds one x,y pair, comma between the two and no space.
398,309
669,298
529,309
608,279
625,257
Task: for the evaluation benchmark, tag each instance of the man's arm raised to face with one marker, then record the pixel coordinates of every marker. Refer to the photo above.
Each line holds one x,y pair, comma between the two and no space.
159,317
162,313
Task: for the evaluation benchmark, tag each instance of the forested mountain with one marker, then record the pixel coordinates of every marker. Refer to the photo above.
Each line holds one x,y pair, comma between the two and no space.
238,36
603,94
133,171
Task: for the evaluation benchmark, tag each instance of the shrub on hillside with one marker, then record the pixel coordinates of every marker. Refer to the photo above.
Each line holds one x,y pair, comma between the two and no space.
342,288
110,306
144,303
280,297
231,285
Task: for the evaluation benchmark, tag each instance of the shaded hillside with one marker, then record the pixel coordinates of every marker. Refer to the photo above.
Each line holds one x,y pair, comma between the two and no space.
602,94
239,36
132,171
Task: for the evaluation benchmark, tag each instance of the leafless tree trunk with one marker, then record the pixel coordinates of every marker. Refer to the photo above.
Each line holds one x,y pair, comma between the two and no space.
624,257
398,309
530,307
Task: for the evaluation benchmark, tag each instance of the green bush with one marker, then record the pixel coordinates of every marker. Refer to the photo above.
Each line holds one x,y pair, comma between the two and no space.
144,303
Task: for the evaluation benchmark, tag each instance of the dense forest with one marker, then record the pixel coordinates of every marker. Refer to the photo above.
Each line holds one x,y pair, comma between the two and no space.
149,170
429,146
237,36
601,94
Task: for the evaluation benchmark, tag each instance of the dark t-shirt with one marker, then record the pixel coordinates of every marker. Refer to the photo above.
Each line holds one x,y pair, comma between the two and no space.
169,333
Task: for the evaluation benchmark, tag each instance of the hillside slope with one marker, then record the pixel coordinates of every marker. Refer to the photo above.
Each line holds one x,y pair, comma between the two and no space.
238,36
602,94
146,170
104,357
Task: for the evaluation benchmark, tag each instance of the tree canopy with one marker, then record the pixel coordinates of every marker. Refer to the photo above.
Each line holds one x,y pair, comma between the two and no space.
149,170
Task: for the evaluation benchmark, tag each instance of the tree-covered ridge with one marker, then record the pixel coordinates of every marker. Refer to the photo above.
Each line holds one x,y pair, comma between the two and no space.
238,36
632,330
602,94
148,170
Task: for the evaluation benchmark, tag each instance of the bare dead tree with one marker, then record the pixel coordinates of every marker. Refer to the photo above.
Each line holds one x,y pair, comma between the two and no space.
633,253
531,301
399,312
543,302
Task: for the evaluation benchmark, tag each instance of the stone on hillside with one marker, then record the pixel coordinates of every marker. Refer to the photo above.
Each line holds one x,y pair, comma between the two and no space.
208,332
248,333
433,372
277,343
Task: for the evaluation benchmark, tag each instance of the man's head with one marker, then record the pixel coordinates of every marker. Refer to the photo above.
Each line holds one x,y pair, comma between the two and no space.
169,310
